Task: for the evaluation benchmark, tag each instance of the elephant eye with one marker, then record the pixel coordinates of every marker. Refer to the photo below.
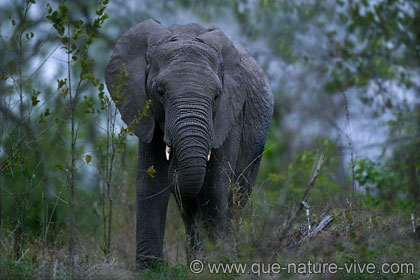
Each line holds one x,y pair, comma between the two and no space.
160,90
218,93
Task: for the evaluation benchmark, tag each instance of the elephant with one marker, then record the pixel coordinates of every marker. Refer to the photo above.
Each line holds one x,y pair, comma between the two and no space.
201,107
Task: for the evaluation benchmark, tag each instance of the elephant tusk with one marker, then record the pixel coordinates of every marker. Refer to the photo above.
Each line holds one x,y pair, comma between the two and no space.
168,152
208,156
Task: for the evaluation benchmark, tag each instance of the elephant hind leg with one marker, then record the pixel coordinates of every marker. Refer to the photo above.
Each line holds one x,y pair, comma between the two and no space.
253,136
247,166
243,184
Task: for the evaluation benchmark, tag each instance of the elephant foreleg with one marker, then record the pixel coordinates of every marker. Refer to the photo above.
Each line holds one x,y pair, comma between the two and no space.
189,212
152,201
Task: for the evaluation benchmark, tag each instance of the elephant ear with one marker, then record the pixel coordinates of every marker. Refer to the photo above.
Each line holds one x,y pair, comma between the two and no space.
128,89
229,104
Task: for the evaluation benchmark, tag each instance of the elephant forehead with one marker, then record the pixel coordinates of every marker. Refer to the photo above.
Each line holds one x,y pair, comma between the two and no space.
192,51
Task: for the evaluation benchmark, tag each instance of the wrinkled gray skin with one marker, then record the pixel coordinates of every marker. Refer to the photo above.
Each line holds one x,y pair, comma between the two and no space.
207,95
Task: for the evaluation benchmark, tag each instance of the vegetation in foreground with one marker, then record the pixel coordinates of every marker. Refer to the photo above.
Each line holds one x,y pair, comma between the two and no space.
362,231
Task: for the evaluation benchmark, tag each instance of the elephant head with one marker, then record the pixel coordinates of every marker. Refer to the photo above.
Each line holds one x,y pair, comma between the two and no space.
195,82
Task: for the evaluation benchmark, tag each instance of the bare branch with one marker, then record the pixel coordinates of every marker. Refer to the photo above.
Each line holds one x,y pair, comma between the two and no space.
314,175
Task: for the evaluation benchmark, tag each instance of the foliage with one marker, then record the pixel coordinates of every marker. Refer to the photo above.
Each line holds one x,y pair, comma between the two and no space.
163,271
379,46
382,185
14,270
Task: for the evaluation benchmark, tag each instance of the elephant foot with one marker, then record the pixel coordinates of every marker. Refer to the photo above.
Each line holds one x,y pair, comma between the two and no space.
147,262
193,247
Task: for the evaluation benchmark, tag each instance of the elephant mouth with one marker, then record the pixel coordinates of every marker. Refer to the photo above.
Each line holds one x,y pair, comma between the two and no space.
186,170
168,153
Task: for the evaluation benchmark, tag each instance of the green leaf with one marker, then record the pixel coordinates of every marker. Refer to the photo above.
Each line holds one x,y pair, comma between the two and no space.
100,11
61,83
151,171
35,100
65,40
63,9
60,166
47,112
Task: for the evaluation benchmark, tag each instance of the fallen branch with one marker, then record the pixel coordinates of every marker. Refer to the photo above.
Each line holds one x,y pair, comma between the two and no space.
323,224
320,227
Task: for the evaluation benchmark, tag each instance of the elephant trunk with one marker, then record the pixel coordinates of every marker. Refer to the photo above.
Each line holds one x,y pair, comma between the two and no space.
191,173
190,135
